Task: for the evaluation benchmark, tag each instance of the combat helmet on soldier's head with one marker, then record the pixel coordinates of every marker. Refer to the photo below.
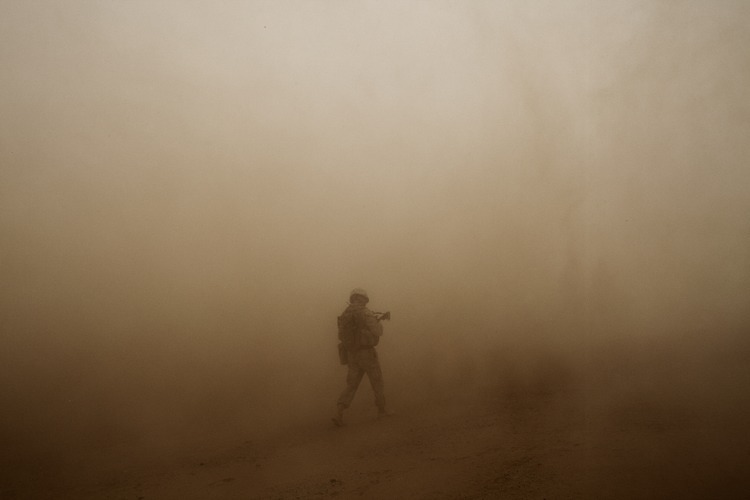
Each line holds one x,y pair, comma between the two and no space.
361,292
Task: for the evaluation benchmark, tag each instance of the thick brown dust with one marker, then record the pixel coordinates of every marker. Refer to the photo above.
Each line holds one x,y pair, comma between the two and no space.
551,199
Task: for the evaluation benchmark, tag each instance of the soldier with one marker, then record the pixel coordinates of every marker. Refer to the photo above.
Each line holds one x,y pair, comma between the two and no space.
359,332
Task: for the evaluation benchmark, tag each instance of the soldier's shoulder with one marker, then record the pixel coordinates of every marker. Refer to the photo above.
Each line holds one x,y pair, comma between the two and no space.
354,309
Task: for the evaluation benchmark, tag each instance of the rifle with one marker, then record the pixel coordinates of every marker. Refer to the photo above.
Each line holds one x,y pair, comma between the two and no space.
381,316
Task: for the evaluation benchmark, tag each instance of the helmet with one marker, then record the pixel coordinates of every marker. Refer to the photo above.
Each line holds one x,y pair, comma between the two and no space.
359,291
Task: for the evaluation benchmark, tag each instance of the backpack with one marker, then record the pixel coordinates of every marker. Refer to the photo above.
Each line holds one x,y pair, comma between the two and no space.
348,328
347,335
353,333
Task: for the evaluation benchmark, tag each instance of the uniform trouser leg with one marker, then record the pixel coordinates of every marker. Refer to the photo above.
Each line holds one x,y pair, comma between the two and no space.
376,381
353,378
361,362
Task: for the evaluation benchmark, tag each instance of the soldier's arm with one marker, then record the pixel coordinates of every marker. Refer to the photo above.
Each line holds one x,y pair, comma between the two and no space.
373,325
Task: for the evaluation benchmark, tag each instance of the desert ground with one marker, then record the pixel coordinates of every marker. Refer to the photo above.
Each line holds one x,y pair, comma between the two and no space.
536,444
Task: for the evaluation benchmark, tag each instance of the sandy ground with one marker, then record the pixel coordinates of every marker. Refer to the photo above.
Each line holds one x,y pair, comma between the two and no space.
541,446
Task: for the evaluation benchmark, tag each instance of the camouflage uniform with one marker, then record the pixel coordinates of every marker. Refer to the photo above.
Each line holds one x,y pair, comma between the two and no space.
363,358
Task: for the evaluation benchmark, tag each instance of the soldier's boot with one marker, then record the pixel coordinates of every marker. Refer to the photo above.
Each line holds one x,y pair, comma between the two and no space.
338,418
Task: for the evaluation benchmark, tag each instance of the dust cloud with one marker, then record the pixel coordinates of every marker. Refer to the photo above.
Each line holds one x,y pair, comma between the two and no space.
549,197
